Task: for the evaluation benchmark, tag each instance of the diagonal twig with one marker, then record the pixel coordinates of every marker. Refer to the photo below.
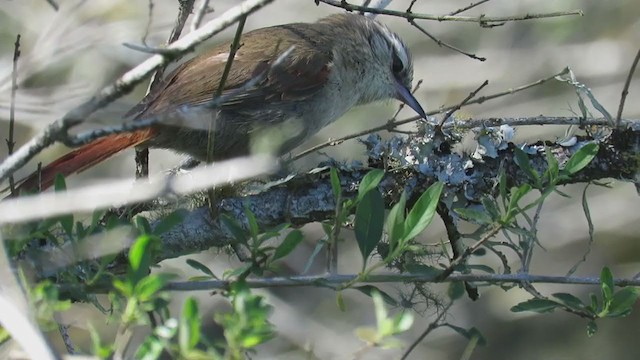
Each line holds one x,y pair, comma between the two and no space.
12,110
625,89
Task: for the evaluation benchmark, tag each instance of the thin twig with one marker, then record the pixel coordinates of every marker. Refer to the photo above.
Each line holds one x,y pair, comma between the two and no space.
12,110
470,6
185,8
341,279
365,3
235,45
66,339
58,130
467,252
148,26
625,89
442,43
410,8
152,50
390,125
202,9
462,103
481,19
54,4
432,326
378,4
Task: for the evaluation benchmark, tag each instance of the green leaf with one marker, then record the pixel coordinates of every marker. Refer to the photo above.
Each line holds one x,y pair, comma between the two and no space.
289,243
312,257
369,222
370,289
367,334
254,230
340,301
150,285
236,230
536,305
139,254
189,327
570,300
402,322
469,333
606,284
592,328
169,221
475,216
422,269
456,290
552,166
369,182
594,303
517,194
142,224
524,163
480,267
422,212
395,222
491,207
623,301
200,267
59,183
335,184
581,158
502,185
66,222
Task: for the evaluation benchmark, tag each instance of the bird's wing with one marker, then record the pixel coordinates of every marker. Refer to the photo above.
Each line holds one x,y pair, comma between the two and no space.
301,74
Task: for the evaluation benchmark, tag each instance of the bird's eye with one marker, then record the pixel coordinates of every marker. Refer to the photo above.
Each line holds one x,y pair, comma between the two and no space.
397,66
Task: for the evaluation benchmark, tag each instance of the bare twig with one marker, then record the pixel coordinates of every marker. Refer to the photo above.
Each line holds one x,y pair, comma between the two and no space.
468,7
58,130
432,326
235,45
66,339
338,280
625,89
462,103
186,6
202,9
481,19
12,110
467,252
149,19
390,125
152,50
54,4
378,4
442,43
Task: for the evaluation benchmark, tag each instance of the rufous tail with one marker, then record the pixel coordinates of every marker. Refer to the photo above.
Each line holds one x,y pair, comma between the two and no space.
83,158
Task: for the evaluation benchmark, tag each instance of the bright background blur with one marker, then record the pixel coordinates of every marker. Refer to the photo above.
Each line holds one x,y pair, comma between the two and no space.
70,54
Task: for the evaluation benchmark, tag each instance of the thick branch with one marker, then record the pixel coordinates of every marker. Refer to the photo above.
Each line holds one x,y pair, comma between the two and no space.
308,198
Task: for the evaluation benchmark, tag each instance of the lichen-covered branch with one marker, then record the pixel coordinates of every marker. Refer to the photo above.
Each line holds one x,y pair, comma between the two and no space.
308,197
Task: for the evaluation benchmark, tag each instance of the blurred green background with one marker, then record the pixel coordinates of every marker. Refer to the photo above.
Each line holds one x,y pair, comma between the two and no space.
70,54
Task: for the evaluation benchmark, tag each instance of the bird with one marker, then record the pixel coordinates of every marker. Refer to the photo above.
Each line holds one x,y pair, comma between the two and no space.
333,64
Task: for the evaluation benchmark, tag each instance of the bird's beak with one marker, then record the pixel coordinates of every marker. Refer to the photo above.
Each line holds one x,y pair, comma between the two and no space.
403,94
